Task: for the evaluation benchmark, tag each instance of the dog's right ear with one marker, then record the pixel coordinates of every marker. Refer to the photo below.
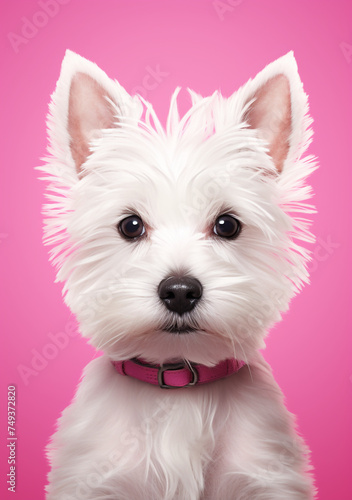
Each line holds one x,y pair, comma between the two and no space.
85,102
90,110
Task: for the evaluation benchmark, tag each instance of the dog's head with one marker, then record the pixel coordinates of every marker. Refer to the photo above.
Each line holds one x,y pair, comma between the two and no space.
178,242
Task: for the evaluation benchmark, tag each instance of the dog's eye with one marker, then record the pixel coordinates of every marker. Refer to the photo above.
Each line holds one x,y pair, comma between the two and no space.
227,226
132,227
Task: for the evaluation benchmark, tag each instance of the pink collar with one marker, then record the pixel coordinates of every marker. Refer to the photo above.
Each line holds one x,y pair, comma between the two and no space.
177,375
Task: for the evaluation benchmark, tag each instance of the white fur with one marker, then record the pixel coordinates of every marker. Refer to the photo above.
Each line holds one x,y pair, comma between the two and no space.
232,439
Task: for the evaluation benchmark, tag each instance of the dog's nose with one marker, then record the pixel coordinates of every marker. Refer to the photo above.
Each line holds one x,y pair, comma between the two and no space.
180,294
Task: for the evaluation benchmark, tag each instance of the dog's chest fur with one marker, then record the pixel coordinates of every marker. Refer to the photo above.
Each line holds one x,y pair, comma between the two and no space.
172,444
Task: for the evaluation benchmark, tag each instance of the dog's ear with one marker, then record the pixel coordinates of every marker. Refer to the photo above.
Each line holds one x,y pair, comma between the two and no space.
276,106
85,102
90,110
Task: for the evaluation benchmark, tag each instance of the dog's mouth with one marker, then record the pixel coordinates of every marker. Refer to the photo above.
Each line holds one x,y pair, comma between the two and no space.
180,330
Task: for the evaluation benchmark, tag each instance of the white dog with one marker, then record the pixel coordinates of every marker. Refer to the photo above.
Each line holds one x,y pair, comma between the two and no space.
178,246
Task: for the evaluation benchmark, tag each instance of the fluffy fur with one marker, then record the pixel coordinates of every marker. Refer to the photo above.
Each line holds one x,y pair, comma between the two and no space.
232,439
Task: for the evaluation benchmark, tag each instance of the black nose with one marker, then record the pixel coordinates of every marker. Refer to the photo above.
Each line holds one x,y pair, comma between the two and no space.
180,294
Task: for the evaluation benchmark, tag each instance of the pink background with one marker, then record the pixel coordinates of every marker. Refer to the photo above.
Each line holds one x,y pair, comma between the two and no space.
196,46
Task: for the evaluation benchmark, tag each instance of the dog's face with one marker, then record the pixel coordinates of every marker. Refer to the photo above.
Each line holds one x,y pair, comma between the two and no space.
178,243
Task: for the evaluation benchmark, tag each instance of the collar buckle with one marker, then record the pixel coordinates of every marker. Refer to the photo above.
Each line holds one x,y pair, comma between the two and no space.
177,366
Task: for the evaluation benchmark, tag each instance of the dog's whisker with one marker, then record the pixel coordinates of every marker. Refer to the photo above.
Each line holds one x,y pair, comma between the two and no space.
244,358
110,341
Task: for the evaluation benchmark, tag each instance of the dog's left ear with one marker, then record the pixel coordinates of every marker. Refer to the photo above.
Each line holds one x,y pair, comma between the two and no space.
276,106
